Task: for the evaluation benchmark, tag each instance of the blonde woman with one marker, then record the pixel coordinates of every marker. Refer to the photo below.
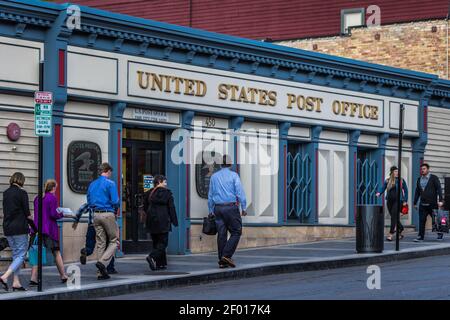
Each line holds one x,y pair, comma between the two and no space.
16,218
391,185
50,230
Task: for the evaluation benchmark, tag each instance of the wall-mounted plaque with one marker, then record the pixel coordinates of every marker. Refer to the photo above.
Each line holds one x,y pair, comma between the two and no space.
204,169
83,162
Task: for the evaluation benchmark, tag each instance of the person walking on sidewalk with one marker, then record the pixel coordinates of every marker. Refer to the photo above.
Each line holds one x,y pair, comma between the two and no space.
161,215
429,195
50,230
392,185
16,218
102,196
90,242
224,197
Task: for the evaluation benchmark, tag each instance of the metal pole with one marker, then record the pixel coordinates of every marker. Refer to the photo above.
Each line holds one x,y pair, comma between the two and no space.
40,183
399,166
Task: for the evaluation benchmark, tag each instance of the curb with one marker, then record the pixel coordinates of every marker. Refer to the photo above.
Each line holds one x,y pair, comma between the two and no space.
114,289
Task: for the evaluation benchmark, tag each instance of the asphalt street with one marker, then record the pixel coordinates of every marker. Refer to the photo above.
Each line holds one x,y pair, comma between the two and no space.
425,278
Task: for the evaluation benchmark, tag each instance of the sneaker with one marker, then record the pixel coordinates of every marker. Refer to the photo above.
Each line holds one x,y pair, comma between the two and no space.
440,236
228,262
151,263
83,256
419,239
102,269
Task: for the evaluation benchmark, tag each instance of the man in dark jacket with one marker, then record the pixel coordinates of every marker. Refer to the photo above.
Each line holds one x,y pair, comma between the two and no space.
429,192
161,214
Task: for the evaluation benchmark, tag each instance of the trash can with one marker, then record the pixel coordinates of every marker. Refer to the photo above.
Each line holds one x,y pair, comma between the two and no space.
369,229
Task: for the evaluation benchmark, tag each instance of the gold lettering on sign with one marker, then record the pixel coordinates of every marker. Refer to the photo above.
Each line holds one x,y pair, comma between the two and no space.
247,95
363,111
304,103
171,84
251,95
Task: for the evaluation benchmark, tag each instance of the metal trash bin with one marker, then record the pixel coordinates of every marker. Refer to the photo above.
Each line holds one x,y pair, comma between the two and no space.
369,229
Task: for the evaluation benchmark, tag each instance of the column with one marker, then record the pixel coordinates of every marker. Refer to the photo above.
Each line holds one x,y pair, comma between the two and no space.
312,149
353,175
282,172
178,180
115,156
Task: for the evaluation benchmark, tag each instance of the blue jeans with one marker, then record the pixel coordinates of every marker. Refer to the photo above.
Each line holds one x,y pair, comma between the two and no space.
19,247
228,219
90,245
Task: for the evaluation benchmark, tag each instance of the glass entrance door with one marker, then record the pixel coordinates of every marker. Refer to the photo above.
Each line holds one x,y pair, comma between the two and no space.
141,160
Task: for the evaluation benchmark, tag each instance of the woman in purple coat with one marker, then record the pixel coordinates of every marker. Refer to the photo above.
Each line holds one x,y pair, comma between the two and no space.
50,231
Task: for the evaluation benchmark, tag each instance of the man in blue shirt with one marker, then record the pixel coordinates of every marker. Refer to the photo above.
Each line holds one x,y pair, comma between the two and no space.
224,197
103,197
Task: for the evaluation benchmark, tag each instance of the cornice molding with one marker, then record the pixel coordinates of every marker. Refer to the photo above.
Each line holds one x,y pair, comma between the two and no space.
26,19
143,41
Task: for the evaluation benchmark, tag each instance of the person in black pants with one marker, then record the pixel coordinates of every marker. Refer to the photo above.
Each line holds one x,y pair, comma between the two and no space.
429,194
225,196
161,215
392,185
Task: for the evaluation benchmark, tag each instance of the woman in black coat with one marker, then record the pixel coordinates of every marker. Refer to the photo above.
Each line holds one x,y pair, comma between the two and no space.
16,218
161,215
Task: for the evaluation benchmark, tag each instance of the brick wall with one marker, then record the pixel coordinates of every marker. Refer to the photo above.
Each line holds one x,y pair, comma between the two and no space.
420,46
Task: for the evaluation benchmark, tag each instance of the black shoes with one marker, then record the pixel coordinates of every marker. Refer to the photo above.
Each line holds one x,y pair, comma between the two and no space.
418,239
4,284
33,283
19,289
440,236
151,263
103,273
112,271
83,256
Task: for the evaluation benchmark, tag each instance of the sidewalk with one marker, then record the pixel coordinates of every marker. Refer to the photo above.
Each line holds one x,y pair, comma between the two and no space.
135,275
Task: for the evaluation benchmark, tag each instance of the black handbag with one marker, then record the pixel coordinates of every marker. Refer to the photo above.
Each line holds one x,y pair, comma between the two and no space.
209,225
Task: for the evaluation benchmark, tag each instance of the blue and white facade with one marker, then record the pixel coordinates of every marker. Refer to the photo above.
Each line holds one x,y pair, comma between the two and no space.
327,124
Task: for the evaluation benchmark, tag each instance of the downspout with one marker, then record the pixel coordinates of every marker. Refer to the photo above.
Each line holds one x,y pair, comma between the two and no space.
447,44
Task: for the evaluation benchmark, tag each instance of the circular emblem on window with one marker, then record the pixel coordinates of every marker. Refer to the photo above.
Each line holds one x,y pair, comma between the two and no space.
83,162
13,131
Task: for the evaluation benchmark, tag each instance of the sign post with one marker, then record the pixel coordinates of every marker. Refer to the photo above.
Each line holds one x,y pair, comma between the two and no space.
43,102
399,166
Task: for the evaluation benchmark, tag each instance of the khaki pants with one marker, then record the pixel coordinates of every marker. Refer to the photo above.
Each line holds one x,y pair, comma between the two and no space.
106,236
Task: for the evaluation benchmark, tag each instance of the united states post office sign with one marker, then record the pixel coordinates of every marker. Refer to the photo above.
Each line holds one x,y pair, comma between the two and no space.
83,162
270,98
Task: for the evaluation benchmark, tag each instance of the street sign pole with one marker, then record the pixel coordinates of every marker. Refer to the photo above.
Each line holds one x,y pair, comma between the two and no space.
399,166
40,183
43,106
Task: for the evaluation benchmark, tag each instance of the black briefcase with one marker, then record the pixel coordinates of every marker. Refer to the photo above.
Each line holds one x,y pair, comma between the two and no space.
209,225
